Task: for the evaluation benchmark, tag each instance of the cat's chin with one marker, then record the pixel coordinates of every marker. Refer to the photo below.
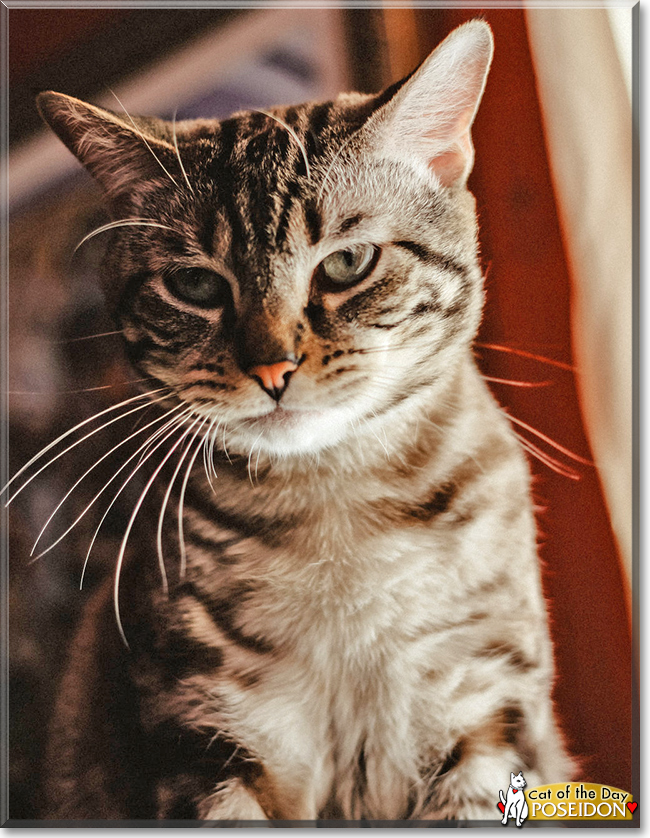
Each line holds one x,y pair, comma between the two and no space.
292,432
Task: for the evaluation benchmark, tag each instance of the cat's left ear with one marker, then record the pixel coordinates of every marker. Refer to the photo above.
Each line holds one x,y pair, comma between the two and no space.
428,121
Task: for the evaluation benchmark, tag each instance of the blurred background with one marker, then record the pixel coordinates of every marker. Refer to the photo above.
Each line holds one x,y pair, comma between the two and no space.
555,192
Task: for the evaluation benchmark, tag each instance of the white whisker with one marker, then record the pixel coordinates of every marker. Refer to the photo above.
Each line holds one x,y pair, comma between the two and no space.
384,446
156,434
93,467
125,538
124,222
175,423
74,392
178,154
293,134
356,428
89,337
181,500
144,140
63,436
547,460
250,476
257,462
225,447
207,465
159,539
213,439
550,441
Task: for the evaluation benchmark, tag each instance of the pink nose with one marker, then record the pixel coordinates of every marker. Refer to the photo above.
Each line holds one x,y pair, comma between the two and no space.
274,377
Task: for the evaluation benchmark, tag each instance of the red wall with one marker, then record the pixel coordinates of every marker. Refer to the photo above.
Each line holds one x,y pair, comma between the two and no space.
529,294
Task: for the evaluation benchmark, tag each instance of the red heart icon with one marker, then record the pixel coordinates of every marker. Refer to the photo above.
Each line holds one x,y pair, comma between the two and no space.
503,808
632,807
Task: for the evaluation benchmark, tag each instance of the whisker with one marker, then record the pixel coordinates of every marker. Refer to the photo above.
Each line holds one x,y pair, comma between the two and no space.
550,441
257,463
101,491
144,139
74,392
225,447
547,460
206,447
213,440
93,467
181,501
144,449
124,222
125,539
63,436
367,424
293,134
178,154
175,423
159,539
88,337
524,354
517,383
250,476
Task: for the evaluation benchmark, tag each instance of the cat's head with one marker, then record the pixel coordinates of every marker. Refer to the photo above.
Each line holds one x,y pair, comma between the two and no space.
517,781
297,274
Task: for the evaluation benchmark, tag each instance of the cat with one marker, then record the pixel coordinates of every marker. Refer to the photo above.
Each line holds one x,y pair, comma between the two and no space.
346,621
515,804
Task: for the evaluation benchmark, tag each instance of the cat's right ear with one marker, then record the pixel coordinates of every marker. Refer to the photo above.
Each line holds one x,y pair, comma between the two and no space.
117,151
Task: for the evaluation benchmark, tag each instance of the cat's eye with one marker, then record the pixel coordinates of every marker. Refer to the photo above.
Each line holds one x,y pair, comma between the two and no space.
198,286
348,266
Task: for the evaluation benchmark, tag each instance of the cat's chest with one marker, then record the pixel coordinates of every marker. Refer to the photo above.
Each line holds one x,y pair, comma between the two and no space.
345,631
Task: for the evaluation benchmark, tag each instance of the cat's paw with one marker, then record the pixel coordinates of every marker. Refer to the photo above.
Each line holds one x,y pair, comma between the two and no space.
232,801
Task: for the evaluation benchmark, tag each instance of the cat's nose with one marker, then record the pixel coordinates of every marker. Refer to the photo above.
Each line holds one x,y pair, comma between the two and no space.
274,378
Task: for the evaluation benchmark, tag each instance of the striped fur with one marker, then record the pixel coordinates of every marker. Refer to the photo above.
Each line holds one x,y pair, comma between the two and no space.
354,626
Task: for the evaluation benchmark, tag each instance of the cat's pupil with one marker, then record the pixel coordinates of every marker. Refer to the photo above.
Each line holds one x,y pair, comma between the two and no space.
198,286
350,265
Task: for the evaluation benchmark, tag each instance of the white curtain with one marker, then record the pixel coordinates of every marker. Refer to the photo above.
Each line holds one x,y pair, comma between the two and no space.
582,59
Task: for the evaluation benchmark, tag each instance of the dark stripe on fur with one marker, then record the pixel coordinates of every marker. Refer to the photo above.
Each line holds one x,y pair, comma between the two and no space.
184,655
403,513
206,234
267,531
290,196
224,611
208,383
430,257
349,224
218,548
515,657
313,223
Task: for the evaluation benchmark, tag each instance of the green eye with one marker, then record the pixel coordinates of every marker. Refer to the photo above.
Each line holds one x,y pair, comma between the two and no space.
349,266
199,287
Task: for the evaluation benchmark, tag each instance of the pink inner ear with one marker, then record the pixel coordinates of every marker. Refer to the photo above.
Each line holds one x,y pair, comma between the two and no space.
448,167
453,163
455,139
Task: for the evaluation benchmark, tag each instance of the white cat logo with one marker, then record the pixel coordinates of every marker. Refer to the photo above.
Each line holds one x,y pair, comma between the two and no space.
514,804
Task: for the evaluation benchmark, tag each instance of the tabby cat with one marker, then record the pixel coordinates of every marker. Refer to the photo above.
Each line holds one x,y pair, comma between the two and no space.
346,620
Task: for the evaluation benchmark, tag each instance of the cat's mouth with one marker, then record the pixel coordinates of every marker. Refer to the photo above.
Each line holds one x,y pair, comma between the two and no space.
288,431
